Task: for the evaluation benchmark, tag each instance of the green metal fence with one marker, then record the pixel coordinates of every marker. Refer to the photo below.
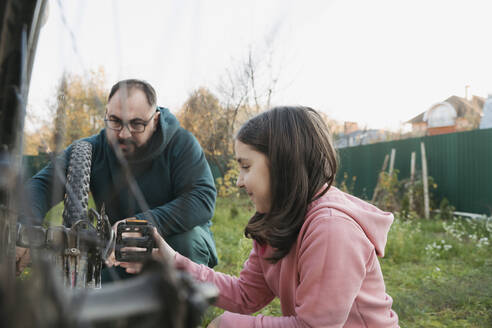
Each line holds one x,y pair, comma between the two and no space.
460,163
32,164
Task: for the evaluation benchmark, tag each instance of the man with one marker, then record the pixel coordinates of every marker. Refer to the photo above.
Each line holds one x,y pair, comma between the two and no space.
166,162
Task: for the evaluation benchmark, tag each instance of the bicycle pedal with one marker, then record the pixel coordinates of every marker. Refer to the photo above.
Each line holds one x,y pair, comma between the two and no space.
145,241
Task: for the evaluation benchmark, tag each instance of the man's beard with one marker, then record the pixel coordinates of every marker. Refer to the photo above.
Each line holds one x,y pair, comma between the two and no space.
131,149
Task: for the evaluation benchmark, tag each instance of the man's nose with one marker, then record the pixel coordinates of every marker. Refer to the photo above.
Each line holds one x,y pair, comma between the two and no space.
125,132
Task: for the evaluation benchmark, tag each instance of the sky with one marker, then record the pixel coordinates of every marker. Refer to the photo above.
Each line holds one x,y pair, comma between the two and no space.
378,63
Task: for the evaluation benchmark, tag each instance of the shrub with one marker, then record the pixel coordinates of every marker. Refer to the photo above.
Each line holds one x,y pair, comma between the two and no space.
388,192
446,210
226,186
347,185
394,195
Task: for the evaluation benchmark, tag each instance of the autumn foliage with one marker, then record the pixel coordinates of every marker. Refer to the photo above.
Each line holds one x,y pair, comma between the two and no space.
76,112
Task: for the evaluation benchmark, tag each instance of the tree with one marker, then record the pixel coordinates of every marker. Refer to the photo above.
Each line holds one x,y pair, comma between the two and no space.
80,107
203,116
213,120
248,85
76,112
244,90
38,141
335,127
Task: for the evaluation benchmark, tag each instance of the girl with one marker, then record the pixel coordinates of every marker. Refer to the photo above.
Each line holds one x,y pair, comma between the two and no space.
314,246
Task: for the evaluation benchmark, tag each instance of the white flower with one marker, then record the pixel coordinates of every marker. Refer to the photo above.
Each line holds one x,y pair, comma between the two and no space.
484,241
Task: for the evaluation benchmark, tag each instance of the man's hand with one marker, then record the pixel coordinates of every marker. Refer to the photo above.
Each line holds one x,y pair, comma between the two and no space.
22,259
111,260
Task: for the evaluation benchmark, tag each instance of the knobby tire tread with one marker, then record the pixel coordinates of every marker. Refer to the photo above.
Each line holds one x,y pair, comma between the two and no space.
77,185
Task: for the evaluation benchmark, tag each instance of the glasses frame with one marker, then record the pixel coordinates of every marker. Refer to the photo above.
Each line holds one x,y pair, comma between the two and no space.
127,124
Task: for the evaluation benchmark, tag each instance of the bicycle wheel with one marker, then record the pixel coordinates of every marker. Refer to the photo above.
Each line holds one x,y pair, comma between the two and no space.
77,185
20,22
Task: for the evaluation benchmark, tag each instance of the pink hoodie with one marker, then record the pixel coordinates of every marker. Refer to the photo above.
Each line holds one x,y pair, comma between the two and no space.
330,278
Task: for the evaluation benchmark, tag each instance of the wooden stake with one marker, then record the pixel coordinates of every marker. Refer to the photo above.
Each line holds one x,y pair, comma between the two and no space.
424,179
412,177
376,189
392,161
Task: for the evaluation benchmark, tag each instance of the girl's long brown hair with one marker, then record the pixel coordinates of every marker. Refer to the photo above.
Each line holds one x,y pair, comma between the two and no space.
302,160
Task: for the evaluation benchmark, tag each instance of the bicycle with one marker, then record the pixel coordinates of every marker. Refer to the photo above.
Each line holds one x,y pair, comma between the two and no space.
64,286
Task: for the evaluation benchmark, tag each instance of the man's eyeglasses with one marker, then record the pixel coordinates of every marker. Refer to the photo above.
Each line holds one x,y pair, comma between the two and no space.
134,126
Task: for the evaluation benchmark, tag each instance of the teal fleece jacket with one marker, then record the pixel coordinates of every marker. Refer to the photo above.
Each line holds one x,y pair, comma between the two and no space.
173,176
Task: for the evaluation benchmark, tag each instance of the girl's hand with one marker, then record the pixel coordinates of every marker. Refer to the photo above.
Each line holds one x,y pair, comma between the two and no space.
215,323
163,252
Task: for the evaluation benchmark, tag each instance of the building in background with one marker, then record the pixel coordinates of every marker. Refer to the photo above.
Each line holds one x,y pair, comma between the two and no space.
486,121
452,115
353,136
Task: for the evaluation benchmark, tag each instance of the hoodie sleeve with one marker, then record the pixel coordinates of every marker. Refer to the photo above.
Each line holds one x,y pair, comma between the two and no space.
246,294
193,187
45,189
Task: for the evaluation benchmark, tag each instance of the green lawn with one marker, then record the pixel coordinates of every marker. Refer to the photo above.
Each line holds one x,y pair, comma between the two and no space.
439,273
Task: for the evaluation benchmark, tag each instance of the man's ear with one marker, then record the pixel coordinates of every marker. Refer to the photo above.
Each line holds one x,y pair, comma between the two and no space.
156,119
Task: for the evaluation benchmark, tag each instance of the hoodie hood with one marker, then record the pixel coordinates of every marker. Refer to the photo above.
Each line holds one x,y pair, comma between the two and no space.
374,222
168,125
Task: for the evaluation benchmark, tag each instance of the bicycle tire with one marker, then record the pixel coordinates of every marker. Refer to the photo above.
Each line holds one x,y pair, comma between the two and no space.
19,33
77,185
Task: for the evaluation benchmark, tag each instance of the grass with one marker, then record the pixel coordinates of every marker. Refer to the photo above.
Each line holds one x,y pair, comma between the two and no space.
438,273
437,276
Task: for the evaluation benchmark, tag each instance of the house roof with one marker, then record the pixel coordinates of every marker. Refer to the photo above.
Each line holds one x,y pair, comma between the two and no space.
464,106
461,105
417,119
